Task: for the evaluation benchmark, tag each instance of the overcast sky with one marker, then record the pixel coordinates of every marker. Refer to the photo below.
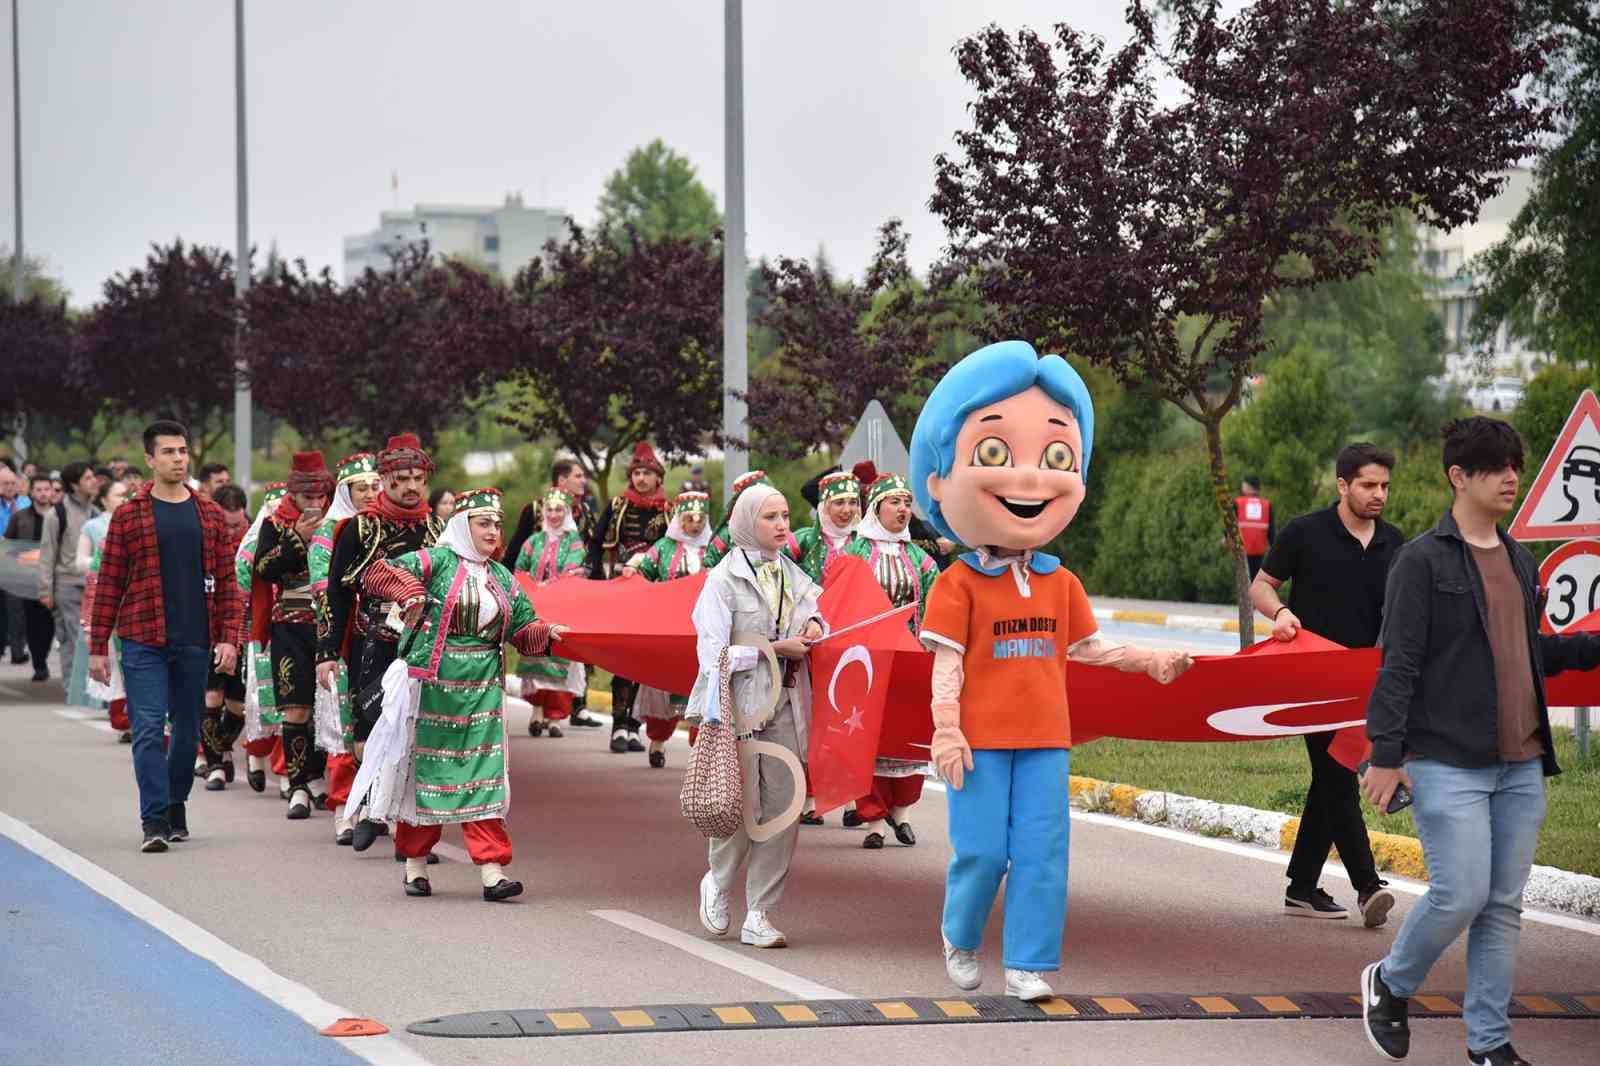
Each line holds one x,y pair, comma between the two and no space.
128,123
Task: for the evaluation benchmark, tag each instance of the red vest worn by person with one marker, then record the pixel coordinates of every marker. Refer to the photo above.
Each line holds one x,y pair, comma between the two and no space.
1255,516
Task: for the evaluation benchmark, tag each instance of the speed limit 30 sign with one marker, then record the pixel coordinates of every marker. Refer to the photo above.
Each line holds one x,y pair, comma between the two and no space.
1571,578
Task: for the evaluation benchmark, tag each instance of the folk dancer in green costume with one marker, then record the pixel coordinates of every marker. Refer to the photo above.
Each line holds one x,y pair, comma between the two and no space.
906,573
838,511
722,540
357,491
438,754
261,718
678,554
554,551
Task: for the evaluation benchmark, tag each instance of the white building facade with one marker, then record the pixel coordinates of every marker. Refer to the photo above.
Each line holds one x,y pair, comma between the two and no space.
1493,374
502,239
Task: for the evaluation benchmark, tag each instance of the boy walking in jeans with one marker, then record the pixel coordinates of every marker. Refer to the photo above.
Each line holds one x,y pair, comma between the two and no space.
167,588
1458,715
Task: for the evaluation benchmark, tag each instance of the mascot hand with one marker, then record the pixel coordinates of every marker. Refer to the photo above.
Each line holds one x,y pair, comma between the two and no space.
1167,665
952,755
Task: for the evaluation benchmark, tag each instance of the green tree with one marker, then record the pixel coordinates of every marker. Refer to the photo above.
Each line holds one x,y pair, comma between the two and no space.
1291,431
657,194
1547,400
1543,279
36,283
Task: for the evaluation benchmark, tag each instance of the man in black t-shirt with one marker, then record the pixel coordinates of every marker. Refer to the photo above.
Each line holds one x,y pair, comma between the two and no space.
1338,561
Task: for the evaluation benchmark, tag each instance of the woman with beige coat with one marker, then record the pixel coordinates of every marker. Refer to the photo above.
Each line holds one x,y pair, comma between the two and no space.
757,594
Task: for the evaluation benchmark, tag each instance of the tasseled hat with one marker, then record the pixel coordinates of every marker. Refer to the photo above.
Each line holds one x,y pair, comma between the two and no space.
478,501
644,458
740,483
356,467
308,472
691,503
866,471
886,486
837,485
403,452
275,491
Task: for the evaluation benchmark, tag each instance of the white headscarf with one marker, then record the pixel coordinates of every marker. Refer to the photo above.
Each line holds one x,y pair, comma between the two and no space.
832,530
742,523
699,540
343,506
457,536
568,524
872,529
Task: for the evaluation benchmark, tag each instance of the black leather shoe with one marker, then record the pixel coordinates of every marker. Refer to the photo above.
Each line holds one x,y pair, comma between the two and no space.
810,818
658,760
535,728
125,737
619,744
227,770
555,731
419,887
585,719
634,743
320,802
503,889
852,820
433,860
344,838
364,832
873,842
903,833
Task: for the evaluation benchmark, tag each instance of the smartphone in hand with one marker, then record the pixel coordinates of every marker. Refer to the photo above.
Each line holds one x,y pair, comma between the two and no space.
1399,801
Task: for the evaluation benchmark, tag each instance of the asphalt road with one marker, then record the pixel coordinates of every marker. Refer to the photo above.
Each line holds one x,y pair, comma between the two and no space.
1150,912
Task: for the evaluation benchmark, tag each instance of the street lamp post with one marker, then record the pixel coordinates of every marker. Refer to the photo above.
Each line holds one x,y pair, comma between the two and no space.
241,266
735,335
16,137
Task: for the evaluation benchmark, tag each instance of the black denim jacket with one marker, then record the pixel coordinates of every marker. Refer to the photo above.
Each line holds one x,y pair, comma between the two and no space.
1435,696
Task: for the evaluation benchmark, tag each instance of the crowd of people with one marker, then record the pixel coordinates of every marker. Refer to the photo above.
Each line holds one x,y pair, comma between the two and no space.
354,636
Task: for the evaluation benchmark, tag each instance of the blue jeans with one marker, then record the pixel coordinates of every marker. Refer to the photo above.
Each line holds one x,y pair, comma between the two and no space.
164,682
1478,828
1010,819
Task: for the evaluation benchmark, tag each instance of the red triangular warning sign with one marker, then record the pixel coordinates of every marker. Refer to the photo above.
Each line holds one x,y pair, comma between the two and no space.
1564,503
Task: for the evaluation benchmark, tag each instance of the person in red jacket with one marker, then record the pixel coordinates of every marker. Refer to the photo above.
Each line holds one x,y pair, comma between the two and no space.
1256,527
166,588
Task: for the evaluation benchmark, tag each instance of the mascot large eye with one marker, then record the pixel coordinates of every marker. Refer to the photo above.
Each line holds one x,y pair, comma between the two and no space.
1058,455
991,451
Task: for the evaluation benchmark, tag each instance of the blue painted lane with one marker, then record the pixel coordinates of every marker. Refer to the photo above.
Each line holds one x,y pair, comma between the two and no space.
84,981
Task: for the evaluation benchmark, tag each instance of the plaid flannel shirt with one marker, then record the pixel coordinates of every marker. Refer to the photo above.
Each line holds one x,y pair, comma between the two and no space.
128,597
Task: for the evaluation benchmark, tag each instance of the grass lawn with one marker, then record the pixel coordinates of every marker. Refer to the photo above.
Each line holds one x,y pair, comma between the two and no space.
1273,775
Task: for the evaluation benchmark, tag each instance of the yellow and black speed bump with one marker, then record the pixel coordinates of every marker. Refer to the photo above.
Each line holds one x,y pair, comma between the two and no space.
834,1013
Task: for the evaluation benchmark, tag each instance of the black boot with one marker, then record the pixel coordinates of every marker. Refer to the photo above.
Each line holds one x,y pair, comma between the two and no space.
297,767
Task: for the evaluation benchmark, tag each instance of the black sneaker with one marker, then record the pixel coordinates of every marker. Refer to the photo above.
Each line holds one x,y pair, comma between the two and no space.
1375,904
1313,904
178,823
154,840
1388,1030
1504,1055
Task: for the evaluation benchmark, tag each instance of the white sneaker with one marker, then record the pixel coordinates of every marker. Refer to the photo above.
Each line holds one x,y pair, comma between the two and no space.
713,906
760,933
1027,986
962,966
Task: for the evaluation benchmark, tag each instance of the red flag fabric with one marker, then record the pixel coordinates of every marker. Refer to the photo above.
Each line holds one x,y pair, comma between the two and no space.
638,629
851,676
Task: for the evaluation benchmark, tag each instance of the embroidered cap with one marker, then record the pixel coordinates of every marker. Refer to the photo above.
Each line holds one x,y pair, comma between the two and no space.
357,467
471,502
691,503
886,486
838,485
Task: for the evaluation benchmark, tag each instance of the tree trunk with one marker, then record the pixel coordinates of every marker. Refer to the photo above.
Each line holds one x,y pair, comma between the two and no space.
1221,491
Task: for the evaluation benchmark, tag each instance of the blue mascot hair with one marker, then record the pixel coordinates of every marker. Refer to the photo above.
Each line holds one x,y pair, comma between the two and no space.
990,374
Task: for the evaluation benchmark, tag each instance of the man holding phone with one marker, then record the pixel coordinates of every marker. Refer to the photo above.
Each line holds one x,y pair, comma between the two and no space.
1458,716
165,588
281,611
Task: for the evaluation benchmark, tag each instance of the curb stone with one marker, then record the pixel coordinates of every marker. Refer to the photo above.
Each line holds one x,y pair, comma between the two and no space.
1548,888
1179,621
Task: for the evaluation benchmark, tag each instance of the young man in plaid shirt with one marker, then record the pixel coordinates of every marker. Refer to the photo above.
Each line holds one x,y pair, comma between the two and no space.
166,588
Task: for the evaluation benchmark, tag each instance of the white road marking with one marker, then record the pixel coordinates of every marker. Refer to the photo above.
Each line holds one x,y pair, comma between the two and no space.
248,970
791,984
83,718
1278,858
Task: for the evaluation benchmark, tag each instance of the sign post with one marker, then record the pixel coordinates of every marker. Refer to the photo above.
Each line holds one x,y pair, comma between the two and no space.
1563,504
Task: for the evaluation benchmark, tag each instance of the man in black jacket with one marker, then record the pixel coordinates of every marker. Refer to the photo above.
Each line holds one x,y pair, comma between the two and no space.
1458,716
39,624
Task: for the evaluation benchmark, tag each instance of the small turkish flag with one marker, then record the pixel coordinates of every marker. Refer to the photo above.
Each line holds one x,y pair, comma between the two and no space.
849,682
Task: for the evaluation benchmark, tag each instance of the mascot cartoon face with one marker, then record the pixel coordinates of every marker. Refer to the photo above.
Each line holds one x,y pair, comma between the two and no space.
1001,449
